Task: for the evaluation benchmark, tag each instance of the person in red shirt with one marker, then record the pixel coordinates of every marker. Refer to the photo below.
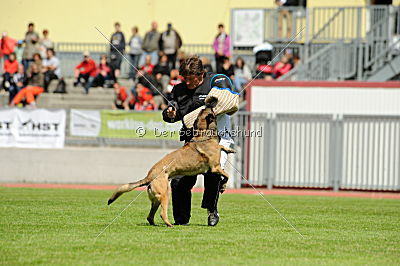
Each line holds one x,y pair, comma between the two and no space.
142,100
282,67
7,46
148,66
175,79
86,71
10,68
121,97
103,72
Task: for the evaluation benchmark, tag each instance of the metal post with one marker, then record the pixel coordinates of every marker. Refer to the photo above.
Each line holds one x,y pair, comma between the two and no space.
360,46
271,151
307,37
339,152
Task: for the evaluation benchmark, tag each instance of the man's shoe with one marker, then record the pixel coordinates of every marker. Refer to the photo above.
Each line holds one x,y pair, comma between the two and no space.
184,224
213,218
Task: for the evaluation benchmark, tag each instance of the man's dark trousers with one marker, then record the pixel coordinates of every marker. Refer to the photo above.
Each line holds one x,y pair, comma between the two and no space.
182,195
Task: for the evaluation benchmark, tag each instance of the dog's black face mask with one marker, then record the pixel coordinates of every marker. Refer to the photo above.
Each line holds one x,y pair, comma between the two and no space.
206,120
210,118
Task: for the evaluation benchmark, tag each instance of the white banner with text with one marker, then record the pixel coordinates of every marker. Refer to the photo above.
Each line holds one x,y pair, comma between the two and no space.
32,128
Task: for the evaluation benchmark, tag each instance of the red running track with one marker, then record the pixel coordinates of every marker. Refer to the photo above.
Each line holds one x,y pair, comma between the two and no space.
291,192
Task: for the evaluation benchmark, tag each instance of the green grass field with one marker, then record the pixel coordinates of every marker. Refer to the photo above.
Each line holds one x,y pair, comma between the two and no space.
56,226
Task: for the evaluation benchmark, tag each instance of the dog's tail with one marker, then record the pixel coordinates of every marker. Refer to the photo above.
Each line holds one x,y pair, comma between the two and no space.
126,188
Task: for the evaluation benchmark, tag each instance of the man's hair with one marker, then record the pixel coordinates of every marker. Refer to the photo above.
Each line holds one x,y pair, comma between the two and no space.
221,25
51,50
191,66
31,24
117,24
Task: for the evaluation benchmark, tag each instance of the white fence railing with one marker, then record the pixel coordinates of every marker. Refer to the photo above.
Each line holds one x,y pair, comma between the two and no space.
320,151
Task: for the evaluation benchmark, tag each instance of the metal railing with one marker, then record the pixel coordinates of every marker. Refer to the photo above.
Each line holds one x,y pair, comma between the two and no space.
321,24
70,54
319,151
335,61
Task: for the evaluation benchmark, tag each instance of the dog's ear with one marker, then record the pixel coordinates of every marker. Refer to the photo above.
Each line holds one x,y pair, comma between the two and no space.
211,101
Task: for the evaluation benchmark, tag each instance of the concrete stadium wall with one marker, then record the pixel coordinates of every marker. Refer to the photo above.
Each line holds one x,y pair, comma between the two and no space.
74,20
78,165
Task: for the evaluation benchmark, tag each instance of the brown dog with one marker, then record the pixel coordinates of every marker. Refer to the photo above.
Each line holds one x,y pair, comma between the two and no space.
198,156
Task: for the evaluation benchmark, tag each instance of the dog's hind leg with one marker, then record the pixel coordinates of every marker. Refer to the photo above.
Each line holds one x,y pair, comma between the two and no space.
164,209
155,203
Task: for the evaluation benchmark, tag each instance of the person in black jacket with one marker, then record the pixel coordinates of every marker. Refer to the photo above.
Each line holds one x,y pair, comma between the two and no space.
118,41
186,97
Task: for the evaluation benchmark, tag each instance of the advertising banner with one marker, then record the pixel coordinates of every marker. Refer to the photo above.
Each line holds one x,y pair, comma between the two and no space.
144,125
35,128
85,123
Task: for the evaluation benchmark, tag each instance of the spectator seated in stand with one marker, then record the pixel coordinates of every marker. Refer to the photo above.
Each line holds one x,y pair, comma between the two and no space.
161,73
121,98
206,64
155,86
85,72
10,68
227,68
51,68
142,99
18,82
104,77
32,90
162,67
175,79
281,68
296,60
148,66
181,56
242,74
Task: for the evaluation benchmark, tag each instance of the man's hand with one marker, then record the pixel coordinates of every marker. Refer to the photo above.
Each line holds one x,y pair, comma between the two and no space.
171,112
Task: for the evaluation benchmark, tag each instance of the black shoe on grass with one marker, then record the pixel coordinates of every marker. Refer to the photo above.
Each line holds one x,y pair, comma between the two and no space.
213,218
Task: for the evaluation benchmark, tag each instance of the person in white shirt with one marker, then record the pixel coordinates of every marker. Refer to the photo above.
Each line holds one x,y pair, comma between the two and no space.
51,67
242,74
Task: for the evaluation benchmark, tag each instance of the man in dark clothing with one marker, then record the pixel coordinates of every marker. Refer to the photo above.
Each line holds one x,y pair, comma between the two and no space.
186,97
118,41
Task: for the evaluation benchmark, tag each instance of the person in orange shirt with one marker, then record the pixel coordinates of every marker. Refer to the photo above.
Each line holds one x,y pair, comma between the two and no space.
7,45
86,71
34,88
120,101
142,100
10,68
